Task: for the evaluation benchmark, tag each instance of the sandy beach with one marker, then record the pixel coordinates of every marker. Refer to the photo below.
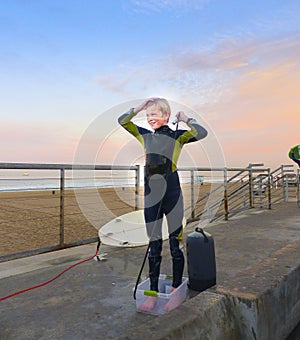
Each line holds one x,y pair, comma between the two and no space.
31,219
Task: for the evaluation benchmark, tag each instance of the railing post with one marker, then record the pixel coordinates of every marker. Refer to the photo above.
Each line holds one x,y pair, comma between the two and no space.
269,189
298,187
192,194
225,195
62,208
286,188
283,183
137,187
251,188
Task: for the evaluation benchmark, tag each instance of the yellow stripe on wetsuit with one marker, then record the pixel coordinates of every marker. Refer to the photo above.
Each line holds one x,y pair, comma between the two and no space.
180,141
131,127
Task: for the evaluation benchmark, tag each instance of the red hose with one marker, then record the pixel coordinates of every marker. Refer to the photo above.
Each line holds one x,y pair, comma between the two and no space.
51,280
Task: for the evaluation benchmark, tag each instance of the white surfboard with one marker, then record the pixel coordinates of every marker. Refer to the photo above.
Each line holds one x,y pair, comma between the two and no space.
129,230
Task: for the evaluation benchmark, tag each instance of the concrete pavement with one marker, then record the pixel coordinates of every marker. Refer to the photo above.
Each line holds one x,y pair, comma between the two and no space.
257,295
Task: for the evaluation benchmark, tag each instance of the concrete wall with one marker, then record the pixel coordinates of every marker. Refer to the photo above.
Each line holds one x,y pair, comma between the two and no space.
262,305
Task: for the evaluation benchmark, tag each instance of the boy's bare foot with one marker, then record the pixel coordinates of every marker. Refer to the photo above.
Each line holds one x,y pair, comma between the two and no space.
148,304
174,301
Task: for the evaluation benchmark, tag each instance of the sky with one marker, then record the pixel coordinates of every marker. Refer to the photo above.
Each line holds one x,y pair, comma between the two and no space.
69,66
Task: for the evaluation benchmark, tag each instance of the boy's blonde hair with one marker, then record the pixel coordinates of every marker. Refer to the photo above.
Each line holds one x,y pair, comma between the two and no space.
163,104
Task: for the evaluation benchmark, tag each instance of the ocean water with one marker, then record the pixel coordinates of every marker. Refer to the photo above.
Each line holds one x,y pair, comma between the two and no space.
29,180
50,180
54,184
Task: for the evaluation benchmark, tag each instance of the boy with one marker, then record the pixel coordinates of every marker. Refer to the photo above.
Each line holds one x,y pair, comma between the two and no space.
163,194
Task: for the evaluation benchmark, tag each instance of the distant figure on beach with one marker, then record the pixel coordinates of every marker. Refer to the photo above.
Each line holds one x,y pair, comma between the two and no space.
162,188
294,154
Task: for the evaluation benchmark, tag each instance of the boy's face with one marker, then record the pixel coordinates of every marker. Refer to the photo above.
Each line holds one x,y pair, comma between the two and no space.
155,117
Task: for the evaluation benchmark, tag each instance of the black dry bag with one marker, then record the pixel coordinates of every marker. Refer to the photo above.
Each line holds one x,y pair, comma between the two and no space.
201,260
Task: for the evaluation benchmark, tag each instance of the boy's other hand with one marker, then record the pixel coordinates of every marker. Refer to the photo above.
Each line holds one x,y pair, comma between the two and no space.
181,116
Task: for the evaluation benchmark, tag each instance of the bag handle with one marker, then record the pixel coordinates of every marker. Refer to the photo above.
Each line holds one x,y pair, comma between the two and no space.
200,230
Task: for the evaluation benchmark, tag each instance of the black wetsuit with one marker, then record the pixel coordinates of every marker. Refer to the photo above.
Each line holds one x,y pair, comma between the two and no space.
163,194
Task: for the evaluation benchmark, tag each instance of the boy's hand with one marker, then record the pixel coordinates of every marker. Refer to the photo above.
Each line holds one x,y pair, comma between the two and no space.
181,117
144,105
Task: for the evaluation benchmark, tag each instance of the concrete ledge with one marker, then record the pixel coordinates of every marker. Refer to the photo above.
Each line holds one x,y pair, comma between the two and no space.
267,306
262,303
205,316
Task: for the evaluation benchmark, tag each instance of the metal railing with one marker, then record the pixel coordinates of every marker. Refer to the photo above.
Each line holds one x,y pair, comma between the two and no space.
52,209
245,188
44,215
